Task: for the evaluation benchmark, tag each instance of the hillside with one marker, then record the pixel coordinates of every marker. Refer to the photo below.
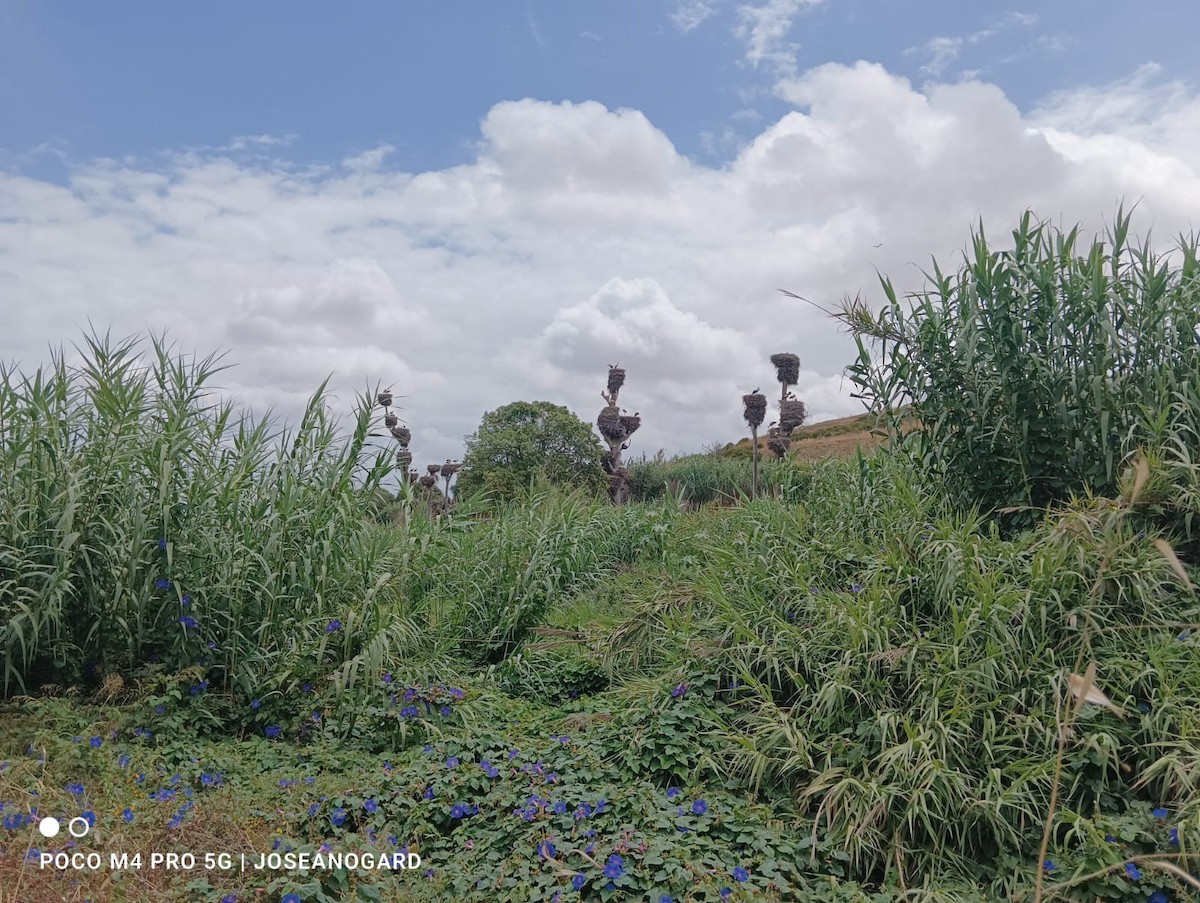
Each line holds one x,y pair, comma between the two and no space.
827,439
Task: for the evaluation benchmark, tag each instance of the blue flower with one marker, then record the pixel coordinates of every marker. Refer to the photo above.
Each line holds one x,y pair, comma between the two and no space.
189,622
725,892
273,731
123,760
1132,871
457,693
409,711
333,626
387,678
161,583
1173,834
185,601
673,792
210,780
90,817
291,898
546,849
338,817
1049,865
199,688
679,690
159,709
452,762
458,810
560,808
428,794
699,807
127,814
95,742
444,711
615,867
162,543
1160,812
740,874
665,898
856,588
75,789
229,898
578,881
256,705
371,806
1158,897
314,809
306,688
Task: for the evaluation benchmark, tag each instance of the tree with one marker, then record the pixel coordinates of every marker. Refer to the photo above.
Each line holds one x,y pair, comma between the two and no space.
523,440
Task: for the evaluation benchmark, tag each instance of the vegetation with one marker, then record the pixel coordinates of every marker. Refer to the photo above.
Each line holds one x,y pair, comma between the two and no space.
854,688
520,442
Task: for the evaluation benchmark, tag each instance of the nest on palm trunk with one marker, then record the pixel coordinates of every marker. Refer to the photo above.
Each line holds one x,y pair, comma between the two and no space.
402,434
390,420
755,409
433,469
787,368
630,423
616,378
791,414
450,468
427,480
384,399
609,422
404,457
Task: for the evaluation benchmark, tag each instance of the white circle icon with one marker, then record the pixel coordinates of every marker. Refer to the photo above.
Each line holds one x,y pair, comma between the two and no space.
82,822
48,826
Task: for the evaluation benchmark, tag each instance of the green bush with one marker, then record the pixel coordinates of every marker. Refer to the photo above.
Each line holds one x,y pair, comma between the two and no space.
1035,371
704,478
525,441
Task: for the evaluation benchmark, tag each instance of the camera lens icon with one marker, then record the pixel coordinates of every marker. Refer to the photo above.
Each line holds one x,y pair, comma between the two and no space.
79,826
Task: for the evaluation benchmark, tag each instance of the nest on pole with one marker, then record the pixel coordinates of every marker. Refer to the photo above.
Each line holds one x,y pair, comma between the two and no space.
787,368
610,424
616,378
404,457
630,423
450,468
427,480
791,414
384,399
402,434
390,420
755,409
433,469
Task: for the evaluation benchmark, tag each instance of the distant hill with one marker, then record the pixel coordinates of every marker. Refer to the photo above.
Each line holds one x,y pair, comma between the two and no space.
838,438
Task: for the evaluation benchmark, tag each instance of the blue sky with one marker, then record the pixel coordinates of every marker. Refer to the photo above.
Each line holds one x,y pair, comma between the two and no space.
484,202
103,79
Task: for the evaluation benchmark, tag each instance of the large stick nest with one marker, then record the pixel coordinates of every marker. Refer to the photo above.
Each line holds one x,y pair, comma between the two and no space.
755,409
610,425
787,368
450,468
630,423
384,399
791,414
404,457
402,434
616,378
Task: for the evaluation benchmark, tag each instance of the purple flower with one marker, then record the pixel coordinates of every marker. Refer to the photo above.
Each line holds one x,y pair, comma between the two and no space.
95,742
740,874
371,806
1160,812
387,678
560,808
615,867
673,792
75,789
458,810
578,881
290,898
457,693
256,705
1158,897
338,817
199,688
856,588
1173,834
1049,865
189,622
444,711
547,850
162,543
699,807
428,794
161,583
1133,871
333,626
679,690
273,731
452,762
185,601
127,814
123,760
409,711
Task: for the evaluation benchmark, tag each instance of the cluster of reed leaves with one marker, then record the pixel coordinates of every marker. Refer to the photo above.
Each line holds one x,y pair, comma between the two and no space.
704,478
143,523
1035,371
895,665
